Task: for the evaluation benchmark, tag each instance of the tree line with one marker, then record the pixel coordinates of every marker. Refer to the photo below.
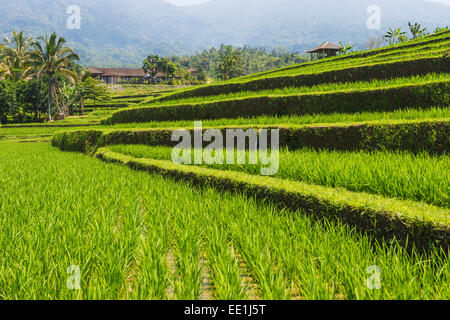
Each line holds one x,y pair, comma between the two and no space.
41,79
221,63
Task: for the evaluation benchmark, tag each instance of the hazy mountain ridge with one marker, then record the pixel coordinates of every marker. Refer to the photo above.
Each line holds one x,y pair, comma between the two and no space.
115,32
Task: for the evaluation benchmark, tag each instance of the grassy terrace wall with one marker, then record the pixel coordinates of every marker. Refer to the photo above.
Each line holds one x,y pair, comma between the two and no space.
411,223
364,73
388,99
414,136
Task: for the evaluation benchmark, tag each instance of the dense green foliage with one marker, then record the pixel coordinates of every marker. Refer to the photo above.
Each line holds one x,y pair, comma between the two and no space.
23,101
228,62
43,71
7,100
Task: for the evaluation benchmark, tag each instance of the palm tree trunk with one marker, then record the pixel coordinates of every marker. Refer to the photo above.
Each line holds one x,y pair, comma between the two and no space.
50,87
82,107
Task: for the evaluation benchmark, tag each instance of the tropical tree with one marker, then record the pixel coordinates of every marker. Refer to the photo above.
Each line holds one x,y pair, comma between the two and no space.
90,88
345,48
16,56
68,98
7,99
402,38
3,67
152,65
4,71
416,30
32,97
441,29
231,66
52,58
394,35
171,69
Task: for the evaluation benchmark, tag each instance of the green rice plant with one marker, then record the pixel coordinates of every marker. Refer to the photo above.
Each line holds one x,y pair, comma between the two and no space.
413,223
223,263
152,276
116,225
418,177
186,250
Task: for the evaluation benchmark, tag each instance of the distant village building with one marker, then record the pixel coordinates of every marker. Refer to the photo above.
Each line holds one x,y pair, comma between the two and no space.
192,72
326,49
117,75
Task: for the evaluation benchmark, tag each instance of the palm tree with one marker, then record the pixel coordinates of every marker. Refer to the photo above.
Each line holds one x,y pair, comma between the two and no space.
441,29
16,55
50,58
4,70
416,30
394,35
347,48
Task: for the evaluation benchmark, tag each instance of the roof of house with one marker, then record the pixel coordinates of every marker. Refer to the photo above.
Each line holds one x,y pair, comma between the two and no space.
117,72
325,46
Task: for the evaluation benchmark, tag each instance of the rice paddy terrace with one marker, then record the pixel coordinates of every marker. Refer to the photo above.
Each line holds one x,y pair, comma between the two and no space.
363,184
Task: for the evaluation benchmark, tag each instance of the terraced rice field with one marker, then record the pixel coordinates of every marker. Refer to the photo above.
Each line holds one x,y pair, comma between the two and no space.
328,87
358,209
136,235
398,174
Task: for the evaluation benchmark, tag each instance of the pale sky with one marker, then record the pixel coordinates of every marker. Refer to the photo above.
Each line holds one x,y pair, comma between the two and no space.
186,2
441,1
189,2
